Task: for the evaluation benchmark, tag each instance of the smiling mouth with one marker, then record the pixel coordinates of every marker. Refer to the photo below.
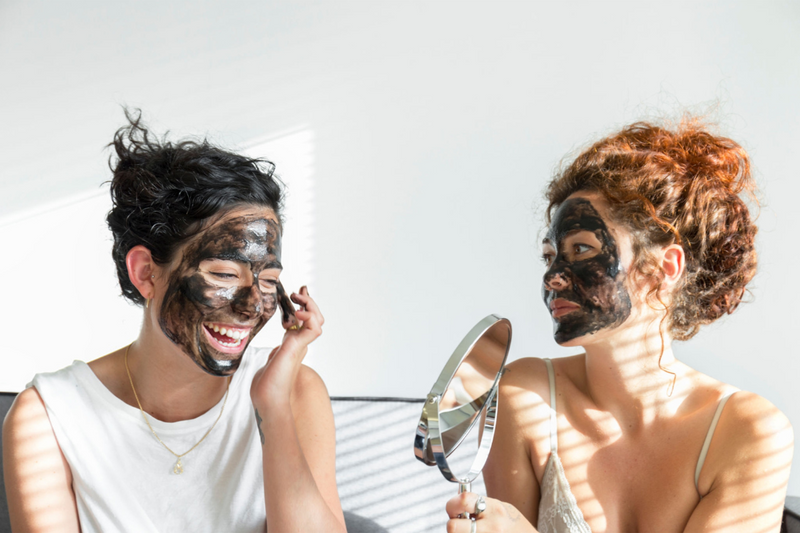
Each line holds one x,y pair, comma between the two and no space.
226,338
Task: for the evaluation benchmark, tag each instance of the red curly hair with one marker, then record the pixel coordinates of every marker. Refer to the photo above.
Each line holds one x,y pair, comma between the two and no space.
675,186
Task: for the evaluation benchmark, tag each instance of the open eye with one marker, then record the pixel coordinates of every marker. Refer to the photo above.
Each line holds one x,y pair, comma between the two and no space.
548,252
580,248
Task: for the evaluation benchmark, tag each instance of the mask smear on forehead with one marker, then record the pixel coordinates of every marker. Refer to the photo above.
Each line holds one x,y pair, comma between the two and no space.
217,299
584,285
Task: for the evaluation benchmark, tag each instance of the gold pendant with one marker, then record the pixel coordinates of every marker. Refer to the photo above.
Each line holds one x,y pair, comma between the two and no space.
178,468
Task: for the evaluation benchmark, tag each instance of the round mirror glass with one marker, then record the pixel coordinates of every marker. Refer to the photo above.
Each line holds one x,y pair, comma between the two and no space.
457,422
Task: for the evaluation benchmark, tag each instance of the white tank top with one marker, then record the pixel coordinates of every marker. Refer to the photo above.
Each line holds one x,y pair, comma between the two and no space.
122,476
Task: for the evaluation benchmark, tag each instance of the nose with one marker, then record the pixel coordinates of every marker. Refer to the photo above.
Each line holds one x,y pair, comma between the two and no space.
556,280
249,301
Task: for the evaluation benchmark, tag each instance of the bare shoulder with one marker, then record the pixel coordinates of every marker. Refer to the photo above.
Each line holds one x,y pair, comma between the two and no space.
525,388
525,403
527,374
755,422
32,459
27,414
753,439
744,479
530,374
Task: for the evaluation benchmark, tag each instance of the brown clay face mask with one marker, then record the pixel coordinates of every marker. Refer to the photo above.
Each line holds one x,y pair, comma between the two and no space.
584,284
225,289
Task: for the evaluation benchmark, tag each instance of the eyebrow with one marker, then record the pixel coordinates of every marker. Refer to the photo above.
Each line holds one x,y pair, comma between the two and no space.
274,264
239,257
236,256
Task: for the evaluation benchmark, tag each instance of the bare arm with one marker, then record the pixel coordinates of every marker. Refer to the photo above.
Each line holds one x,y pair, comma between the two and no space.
744,479
522,430
509,474
38,480
298,439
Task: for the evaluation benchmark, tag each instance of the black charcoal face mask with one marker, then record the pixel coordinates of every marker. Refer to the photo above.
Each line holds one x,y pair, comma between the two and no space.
584,285
217,299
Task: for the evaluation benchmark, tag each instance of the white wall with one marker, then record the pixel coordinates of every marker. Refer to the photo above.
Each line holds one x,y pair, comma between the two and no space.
428,133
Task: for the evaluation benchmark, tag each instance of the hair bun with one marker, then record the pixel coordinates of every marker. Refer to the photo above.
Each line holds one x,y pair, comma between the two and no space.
679,184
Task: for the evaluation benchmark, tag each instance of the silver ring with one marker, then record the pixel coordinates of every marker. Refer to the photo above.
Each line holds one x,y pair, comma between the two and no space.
473,526
480,506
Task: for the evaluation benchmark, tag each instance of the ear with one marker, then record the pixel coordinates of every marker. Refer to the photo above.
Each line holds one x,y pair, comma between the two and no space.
673,263
141,268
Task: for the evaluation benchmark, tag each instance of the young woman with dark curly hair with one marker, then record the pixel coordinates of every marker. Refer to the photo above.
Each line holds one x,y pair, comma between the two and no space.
647,240
186,428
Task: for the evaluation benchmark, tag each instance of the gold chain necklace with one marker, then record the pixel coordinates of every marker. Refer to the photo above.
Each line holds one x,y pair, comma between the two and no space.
178,468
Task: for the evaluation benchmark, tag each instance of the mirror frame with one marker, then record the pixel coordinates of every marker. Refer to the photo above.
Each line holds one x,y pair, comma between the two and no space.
428,441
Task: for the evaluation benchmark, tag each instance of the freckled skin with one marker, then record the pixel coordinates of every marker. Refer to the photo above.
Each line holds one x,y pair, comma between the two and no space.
193,298
596,284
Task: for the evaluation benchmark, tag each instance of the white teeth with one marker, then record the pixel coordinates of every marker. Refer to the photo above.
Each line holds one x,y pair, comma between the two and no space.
231,344
234,334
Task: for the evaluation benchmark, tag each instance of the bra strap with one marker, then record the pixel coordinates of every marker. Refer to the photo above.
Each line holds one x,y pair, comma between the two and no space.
709,435
553,416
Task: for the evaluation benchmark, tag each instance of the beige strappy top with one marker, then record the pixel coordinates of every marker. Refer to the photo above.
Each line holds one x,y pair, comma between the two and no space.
558,510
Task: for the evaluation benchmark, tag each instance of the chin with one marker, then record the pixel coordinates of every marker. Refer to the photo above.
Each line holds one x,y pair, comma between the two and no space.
571,334
218,367
217,363
571,340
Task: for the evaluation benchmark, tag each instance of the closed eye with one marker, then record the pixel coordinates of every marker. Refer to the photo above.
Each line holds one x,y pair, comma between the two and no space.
268,285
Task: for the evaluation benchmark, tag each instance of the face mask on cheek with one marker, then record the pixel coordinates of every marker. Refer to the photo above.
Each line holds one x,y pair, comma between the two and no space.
594,287
195,305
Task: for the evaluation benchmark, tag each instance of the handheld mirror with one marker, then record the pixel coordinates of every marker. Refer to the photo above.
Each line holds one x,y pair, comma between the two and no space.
457,424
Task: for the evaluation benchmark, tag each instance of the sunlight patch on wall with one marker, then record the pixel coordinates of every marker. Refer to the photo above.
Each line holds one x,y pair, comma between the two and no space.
292,153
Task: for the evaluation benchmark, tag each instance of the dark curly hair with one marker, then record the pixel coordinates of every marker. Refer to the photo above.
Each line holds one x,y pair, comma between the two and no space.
678,185
163,192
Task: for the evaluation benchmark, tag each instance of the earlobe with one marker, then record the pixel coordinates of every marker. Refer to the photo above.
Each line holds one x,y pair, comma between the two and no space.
673,263
140,270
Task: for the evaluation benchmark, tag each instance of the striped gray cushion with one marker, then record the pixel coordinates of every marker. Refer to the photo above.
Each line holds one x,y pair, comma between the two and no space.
378,476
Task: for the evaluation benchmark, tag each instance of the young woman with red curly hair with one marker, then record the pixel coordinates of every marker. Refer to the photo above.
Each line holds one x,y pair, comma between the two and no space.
648,239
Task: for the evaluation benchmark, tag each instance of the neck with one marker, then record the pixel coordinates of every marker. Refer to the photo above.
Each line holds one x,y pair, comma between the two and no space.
628,374
170,385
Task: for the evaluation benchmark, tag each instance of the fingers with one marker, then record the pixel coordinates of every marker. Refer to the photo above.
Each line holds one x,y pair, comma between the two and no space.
306,322
288,318
463,503
304,300
461,525
309,312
